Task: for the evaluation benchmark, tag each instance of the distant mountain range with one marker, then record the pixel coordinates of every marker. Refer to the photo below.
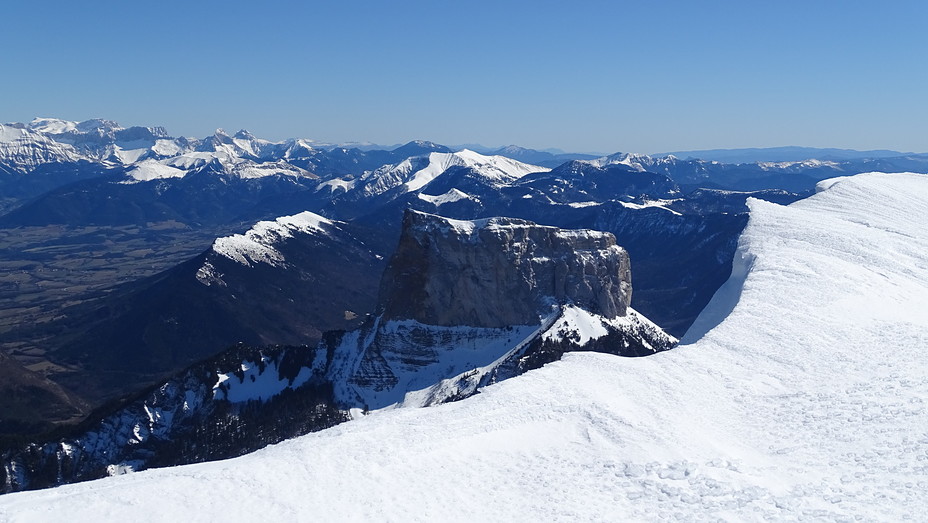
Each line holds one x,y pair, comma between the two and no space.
49,153
784,154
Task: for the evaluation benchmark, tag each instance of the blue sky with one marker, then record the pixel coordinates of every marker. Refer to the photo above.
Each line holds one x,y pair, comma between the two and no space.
644,76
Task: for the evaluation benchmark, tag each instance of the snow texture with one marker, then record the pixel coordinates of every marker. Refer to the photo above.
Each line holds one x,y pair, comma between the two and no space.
416,172
257,382
403,363
208,275
639,162
52,125
149,170
454,195
806,164
24,149
807,401
657,204
496,168
9,133
257,244
336,185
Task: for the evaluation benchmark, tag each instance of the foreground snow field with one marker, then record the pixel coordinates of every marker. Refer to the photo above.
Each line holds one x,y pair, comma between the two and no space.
807,400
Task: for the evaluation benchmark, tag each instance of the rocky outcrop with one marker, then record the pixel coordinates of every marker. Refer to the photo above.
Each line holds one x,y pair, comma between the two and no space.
499,272
467,303
226,406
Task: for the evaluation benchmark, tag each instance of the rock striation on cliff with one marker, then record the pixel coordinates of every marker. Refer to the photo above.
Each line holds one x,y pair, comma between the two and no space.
498,272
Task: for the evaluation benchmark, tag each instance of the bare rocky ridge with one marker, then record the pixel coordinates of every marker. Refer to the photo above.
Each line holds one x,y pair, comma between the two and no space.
500,271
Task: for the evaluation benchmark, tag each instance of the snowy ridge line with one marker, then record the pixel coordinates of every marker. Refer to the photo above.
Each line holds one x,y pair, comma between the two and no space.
639,162
470,228
453,195
806,402
656,204
257,244
414,173
811,163
22,149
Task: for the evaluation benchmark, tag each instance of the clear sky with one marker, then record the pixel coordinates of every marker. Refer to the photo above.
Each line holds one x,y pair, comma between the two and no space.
643,76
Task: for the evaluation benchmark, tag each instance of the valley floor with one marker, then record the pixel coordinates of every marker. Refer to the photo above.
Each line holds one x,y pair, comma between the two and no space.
807,400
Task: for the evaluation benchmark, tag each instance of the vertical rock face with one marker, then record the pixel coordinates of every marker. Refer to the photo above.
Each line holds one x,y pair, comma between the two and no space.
499,272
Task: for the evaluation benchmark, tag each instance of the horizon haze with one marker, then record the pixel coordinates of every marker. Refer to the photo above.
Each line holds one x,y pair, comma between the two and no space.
594,77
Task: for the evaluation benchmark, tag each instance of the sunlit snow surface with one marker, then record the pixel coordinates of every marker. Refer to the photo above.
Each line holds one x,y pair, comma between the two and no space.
256,383
149,170
258,244
416,172
807,401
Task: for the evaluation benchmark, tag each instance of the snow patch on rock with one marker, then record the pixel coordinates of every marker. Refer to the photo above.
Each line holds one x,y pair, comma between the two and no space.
208,275
256,381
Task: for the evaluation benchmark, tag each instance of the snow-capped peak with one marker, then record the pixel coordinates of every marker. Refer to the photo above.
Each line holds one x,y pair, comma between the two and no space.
636,161
250,145
52,125
243,144
257,245
496,168
57,126
11,132
416,172
23,149
513,149
148,170
451,196
99,125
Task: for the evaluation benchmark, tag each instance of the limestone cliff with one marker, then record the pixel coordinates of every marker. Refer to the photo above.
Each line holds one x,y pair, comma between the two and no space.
499,272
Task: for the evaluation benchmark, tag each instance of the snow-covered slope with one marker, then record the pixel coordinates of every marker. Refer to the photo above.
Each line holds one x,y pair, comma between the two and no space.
104,140
411,364
23,149
640,162
806,401
415,173
257,245
148,170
